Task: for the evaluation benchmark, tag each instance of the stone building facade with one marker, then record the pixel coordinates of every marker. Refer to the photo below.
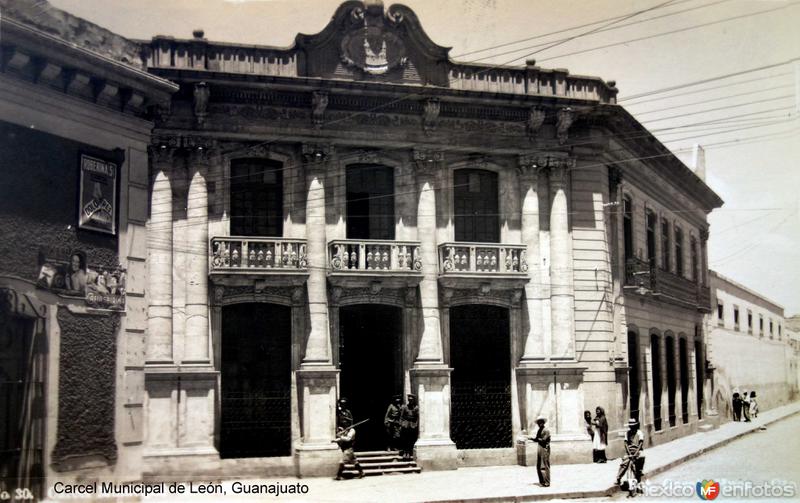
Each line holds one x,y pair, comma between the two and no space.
74,183
750,347
359,216
354,216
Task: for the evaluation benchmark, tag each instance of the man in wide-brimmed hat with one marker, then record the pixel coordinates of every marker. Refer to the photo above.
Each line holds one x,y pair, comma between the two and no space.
634,448
542,438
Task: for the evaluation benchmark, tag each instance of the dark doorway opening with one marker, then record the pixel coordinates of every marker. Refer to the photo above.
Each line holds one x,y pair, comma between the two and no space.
655,361
480,355
633,376
371,364
22,364
671,384
699,376
684,362
256,381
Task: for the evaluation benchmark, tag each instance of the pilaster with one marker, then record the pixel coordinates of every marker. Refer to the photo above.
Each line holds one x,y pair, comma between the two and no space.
534,347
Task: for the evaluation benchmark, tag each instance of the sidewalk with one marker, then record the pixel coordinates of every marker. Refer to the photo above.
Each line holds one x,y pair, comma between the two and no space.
501,483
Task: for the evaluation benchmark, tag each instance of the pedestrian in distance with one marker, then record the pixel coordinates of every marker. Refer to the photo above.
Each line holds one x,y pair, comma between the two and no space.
634,453
746,406
600,438
542,439
346,438
409,426
753,405
391,422
587,417
737,407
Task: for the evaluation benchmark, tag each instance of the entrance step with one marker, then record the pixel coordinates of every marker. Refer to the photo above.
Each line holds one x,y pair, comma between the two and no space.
381,463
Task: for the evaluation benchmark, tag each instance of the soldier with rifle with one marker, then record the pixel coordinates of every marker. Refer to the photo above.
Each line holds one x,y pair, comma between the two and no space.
346,438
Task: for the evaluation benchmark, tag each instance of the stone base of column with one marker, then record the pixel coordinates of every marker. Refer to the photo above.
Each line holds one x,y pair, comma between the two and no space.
317,460
434,450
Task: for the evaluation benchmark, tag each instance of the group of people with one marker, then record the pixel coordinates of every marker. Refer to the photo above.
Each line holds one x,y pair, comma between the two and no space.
598,432
745,406
402,425
401,422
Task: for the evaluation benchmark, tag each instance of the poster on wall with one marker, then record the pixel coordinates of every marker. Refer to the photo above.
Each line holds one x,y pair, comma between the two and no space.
98,195
69,274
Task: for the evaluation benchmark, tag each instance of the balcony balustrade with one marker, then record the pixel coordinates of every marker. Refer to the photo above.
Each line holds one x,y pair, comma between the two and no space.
644,278
258,255
374,257
482,259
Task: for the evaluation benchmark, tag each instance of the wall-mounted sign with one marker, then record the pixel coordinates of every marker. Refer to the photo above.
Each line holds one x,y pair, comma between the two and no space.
70,275
97,209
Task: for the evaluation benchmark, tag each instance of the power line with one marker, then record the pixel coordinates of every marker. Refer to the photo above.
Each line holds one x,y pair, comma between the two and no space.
671,32
757,91
659,119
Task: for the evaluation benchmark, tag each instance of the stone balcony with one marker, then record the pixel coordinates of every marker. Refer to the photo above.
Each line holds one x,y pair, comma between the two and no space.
643,279
282,260
472,264
361,262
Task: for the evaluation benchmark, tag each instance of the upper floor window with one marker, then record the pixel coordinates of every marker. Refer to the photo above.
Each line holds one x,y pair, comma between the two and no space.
695,259
651,222
749,321
761,324
627,226
477,216
779,331
770,329
679,251
665,245
370,202
736,317
720,313
256,197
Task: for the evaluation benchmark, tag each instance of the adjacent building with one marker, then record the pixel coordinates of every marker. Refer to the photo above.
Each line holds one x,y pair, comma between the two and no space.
749,347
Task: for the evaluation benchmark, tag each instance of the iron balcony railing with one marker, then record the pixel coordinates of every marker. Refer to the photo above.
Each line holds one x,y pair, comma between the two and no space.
482,258
258,254
644,278
374,256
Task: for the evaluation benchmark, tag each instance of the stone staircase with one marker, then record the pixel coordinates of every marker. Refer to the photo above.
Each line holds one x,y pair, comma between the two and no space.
381,463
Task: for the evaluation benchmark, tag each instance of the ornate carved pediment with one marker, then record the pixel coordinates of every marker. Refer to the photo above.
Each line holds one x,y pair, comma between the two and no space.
374,43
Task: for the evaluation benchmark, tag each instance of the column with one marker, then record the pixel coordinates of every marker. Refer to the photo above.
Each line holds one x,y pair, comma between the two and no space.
561,289
678,388
430,377
318,345
159,259
317,377
534,348
196,341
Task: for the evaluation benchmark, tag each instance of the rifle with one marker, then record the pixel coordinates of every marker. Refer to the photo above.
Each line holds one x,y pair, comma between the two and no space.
353,426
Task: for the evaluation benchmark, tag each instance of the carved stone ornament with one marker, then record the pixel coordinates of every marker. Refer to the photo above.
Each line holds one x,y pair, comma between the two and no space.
704,234
317,152
200,101
319,102
427,161
566,116
534,122
430,114
373,47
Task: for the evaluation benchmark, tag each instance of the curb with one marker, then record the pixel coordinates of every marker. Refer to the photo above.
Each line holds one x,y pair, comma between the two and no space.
600,493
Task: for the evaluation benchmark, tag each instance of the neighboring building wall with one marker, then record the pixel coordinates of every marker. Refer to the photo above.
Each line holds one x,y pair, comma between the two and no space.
748,358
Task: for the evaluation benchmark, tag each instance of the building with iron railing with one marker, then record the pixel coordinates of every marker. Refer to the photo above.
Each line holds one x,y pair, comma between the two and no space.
359,216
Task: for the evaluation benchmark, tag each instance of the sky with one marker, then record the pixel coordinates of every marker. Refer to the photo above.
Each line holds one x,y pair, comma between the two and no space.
749,123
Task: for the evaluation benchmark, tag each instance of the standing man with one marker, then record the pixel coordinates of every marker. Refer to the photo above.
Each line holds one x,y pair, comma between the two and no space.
542,438
344,418
391,421
346,438
409,426
634,447
737,407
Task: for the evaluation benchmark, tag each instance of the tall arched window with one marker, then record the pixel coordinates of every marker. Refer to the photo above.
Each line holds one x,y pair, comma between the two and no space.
370,202
665,245
477,215
627,227
678,251
651,222
695,259
256,197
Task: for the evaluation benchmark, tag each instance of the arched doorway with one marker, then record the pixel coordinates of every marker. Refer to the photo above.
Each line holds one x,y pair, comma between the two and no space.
669,344
371,364
256,381
480,355
634,385
655,362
